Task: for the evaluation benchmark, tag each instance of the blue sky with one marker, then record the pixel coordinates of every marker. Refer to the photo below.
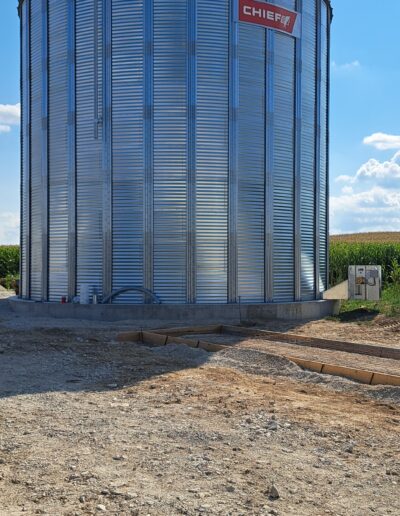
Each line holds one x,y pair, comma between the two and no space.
365,117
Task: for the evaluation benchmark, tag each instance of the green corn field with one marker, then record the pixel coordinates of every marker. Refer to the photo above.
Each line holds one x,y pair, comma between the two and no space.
343,254
9,260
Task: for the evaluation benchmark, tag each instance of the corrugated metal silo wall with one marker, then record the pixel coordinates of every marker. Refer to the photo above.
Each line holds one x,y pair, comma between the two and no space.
128,97
322,215
167,146
58,149
37,214
90,140
25,151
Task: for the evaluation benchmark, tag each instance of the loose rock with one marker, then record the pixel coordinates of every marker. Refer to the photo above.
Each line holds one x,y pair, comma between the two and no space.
273,493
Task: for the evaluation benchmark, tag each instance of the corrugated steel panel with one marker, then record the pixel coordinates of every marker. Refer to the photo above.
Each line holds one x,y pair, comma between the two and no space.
36,145
308,143
212,159
89,145
45,151
283,168
71,150
192,149
106,114
323,280
25,150
128,145
58,149
170,150
251,164
148,111
197,155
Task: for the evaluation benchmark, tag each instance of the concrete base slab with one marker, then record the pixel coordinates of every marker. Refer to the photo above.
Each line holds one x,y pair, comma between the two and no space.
340,291
187,314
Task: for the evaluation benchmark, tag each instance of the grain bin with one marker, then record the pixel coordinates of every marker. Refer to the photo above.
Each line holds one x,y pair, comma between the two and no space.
176,146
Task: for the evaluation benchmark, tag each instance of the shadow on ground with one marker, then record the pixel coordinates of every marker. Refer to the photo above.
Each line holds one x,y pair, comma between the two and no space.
45,359
84,356
52,359
358,315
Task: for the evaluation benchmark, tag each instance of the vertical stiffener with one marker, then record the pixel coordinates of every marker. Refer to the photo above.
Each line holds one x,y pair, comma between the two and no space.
179,146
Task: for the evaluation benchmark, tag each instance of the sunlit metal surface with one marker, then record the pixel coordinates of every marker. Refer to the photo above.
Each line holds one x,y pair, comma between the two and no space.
177,149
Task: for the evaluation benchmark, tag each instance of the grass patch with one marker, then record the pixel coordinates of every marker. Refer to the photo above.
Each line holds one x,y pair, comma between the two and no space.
389,306
10,282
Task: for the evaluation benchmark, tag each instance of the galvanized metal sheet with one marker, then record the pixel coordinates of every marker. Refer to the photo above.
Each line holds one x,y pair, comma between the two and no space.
170,150
148,132
308,146
36,71
324,186
89,189
251,164
128,144
212,159
72,243
184,151
283,182
25,151
58,149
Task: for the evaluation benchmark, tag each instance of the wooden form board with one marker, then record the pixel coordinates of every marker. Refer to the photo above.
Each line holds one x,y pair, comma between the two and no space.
299,340
175,336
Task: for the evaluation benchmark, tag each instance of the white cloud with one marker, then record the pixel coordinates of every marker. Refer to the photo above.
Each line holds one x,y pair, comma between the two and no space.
10,115
347,190
382,141
373,199
370,201
344,179
381,171
9,228
377,209
384,173
346,67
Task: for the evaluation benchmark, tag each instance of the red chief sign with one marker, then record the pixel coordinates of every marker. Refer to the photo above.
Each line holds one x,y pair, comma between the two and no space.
270,16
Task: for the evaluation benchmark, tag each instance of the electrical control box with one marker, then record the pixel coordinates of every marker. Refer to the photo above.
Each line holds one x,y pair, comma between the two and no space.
365,282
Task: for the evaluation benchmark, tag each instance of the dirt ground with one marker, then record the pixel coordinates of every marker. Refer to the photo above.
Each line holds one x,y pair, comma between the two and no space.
92,426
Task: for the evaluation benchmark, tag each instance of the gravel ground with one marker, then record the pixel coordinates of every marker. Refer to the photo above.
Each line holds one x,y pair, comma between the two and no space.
92,426
379,329
365,362
4,293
